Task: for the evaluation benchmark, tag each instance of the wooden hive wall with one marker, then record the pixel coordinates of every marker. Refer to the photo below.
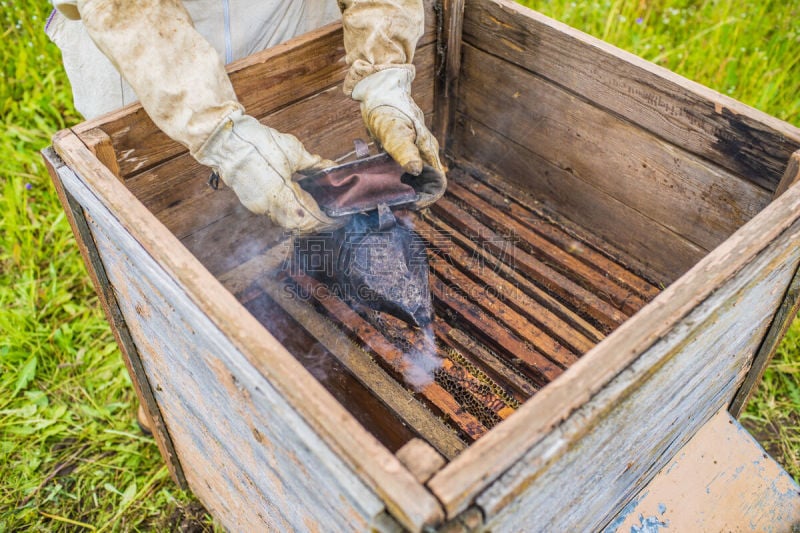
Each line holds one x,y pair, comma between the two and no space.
661,167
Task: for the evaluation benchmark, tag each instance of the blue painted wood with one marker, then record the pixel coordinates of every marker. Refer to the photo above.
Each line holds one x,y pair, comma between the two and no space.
246,452
721,480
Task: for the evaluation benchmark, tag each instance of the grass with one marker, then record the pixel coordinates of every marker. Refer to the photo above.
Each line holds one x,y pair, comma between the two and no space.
71,456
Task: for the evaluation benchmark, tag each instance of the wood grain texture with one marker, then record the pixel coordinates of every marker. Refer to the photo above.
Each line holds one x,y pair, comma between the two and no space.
580,237
225,416
420,459
745,141
264,82
640,419
448,67
122,336
721,480
518,205
462,480
334,428
691,197
663,253
526,293
100,145
361,365
783,319
790,176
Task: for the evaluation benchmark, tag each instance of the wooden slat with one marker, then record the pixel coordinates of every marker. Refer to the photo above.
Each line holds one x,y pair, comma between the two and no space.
557,224
578,297
511,294
495,307
654,407
790,176
394,359
537,366
694,198
357,397
547,252
666,254
747,142
264,82
514,204
477,354
462,479
108,300
420,459
404,497
780,325
528,292
99,143
353,358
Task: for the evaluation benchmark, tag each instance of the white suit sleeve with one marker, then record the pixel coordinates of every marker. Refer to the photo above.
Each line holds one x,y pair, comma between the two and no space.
178,77
380,34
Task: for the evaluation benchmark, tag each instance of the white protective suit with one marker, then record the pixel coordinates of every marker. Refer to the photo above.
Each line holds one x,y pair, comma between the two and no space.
171,55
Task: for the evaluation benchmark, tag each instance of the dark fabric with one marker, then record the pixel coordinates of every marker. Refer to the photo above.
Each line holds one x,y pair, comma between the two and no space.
359,186
364,184
374,261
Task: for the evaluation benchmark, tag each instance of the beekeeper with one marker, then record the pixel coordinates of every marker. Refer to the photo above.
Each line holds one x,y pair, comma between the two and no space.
170,55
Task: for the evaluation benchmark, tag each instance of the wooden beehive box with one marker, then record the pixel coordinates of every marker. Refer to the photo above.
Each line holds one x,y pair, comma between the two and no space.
652,271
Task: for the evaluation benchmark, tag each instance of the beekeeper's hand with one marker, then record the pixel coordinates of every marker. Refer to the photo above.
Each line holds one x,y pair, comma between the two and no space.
380,39
258,162
182,84
395,121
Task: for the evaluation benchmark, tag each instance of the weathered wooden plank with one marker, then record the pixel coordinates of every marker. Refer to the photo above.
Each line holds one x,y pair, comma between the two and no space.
787,312
448,67
721,480
640,419
232,240
496,307
490,283
264,82
694,198
338,434
790,176
580,299
122,336
393,359
240,434
748,142
515,205
536,366
359,400
420,459
422,421
666,254
527,291
575,269
99,143
462,480
581,237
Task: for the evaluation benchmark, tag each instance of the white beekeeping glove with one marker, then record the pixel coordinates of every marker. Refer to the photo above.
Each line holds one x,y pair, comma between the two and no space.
394,119
380,37
257,162
182,84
